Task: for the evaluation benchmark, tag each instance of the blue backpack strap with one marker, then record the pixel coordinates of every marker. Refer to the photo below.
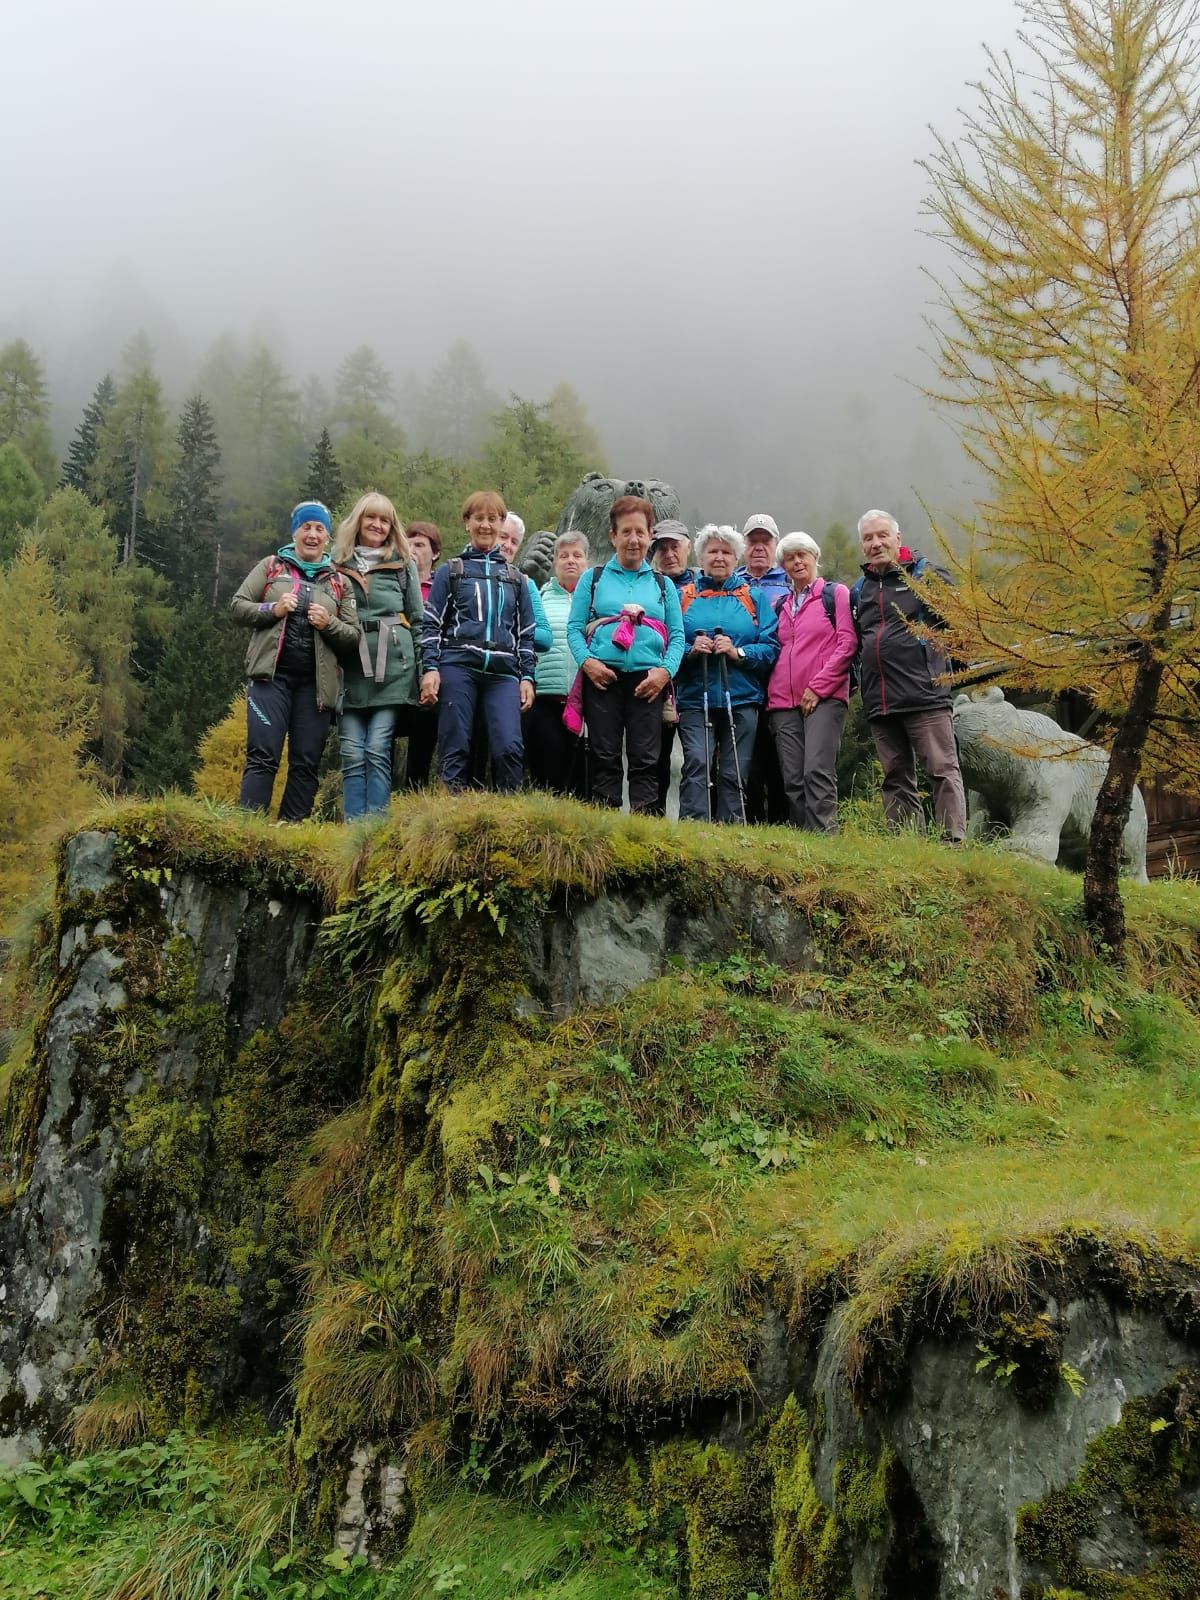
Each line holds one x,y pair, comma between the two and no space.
856,598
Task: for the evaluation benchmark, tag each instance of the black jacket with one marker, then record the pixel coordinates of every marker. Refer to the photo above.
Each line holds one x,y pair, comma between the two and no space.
897,671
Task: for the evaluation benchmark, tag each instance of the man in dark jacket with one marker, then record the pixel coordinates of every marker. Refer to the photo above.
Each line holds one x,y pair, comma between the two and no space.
908,709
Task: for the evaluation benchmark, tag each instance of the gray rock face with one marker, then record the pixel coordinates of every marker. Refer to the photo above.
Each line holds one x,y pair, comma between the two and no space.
973,1455
247,957
597,951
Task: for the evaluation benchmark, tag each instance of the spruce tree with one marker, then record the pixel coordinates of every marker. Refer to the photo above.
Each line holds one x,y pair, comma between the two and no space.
77,472
131,461
325,482
21,494
114,612
191,687
189,533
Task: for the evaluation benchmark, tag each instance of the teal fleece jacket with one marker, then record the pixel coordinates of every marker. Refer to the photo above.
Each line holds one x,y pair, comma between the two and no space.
616,587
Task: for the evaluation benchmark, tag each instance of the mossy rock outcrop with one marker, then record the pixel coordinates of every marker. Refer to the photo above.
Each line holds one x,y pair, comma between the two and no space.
810,1208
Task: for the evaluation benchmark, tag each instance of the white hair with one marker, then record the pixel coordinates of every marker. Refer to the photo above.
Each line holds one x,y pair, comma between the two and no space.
876,516
571,536
797,541
517,523
712,534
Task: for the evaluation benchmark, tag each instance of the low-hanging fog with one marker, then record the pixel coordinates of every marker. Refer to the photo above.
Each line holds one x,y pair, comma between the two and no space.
704,214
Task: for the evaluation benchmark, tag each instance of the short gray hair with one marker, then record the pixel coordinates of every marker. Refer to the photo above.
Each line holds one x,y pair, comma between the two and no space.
517,523
570,537
797,541
712,534
876,516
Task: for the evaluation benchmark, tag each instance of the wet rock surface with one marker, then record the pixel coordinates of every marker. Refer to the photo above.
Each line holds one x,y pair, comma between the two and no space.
244,956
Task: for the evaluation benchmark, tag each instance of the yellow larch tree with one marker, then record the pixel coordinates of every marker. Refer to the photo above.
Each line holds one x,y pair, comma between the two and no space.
1068,349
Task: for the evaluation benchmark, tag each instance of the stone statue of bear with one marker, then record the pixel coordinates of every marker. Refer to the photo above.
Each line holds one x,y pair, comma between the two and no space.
1039,781
586,511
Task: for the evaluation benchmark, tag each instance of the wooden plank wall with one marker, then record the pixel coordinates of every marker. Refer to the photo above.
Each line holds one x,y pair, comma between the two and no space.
1173,842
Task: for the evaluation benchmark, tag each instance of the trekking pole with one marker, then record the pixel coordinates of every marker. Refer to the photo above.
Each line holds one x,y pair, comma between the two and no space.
708,777
723,665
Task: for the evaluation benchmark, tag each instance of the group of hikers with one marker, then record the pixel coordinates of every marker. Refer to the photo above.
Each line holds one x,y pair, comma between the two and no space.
733,643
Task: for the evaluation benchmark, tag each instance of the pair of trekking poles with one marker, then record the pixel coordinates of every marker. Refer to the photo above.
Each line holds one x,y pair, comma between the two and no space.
723,670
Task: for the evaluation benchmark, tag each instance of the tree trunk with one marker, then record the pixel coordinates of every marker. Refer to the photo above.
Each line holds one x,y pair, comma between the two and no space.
216,573
1102,904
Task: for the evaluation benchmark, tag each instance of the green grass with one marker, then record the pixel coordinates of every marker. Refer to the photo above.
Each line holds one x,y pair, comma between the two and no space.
526,1234
213,1518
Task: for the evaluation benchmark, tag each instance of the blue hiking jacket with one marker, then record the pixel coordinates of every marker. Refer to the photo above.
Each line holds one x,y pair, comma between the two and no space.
617,587
708,606
774,582
482,620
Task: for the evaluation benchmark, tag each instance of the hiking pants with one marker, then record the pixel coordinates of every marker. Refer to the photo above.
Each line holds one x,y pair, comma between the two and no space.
899,738
277,709
553,754
693,782
808,751
615,716
422,741
766,799
461,690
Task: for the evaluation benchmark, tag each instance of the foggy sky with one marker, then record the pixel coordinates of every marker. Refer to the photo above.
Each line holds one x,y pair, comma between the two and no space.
703,213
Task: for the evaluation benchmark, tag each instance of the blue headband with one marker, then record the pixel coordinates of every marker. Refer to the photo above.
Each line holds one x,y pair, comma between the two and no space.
311,511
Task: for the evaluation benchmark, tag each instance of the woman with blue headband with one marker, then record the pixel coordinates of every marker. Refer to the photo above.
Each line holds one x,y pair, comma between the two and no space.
304,618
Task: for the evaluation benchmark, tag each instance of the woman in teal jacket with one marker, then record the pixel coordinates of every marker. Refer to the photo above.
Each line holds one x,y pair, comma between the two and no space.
373,554
626,631
731,632
552,751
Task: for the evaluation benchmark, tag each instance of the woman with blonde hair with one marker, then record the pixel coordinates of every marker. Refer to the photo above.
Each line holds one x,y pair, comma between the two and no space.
373,554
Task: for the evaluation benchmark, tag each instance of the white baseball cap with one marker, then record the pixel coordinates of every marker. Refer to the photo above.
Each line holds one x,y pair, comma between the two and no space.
760,523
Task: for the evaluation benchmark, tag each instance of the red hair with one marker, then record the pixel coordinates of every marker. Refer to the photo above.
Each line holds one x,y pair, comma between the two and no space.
484,500
629,505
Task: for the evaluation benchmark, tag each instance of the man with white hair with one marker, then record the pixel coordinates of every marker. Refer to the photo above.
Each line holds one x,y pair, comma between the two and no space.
908,706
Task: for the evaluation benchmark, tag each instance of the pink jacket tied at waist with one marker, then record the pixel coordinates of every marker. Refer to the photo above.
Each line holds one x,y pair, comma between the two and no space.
813,655
573,710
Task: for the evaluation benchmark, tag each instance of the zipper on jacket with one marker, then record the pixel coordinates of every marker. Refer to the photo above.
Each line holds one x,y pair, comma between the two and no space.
879,652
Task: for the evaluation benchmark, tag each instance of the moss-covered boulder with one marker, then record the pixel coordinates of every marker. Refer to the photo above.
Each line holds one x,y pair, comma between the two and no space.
808,1207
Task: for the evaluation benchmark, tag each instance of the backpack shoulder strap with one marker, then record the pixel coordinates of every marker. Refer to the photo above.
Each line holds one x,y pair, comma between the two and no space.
687,594
662,591
829,601
274,567
596,571
856,597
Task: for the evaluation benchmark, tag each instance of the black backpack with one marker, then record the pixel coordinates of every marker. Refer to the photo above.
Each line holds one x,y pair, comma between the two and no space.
829,601
596,571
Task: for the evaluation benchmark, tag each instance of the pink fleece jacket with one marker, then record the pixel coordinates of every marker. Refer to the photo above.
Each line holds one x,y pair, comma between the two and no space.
812,655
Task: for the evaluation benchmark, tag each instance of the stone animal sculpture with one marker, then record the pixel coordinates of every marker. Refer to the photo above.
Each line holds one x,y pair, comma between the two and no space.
586,511
1038,781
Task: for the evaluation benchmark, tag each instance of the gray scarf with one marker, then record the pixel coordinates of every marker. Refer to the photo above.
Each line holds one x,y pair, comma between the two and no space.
366,560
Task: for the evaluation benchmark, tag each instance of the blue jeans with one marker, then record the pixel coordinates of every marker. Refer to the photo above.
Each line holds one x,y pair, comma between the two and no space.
693,781
365,737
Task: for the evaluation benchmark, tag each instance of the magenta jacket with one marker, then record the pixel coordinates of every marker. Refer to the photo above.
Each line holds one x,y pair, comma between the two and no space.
811,653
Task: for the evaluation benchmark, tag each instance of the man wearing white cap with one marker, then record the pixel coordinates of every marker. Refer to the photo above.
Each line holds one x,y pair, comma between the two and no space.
766,798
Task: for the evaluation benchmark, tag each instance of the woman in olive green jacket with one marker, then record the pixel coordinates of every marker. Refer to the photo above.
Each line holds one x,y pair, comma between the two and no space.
373,556
303,614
